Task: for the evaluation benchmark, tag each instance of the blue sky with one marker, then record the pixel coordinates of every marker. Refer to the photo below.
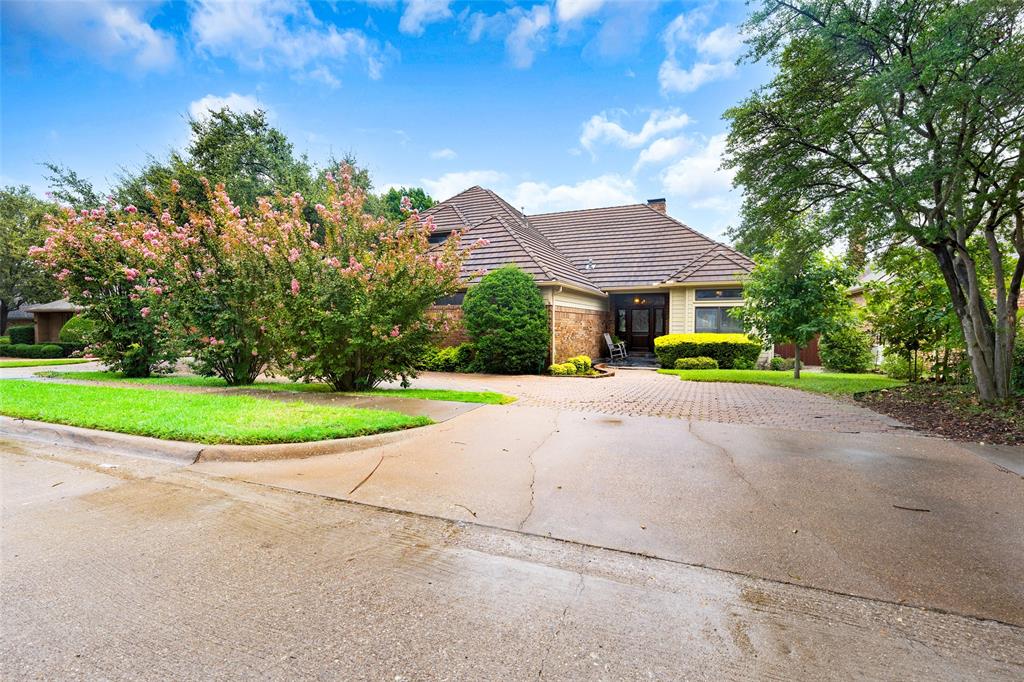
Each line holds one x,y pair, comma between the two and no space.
556,105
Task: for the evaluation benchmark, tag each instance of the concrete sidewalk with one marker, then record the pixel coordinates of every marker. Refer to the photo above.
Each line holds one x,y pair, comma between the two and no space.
895,518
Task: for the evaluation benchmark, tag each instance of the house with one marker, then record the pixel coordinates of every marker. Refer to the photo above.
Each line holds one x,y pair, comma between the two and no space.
51,317
632,271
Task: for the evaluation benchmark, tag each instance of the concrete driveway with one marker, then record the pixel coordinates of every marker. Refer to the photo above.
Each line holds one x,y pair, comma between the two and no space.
897,518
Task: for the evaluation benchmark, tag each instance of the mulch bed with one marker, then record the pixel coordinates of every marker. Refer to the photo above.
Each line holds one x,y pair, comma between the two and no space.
952,412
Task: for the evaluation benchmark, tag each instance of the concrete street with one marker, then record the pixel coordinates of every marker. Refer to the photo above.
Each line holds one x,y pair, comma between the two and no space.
122,568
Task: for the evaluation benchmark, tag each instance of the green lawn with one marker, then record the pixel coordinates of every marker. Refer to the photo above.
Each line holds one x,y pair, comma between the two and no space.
40,362
486,397
815,382
195,417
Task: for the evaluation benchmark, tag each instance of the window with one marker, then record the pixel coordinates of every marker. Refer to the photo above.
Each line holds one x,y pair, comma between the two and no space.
719,294
716,320
438,237
454,299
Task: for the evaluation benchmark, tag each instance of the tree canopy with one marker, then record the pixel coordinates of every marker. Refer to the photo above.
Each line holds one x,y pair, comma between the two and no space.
900,122
21,226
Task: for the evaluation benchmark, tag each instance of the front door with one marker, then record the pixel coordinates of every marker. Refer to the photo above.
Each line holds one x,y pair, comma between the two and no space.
639,319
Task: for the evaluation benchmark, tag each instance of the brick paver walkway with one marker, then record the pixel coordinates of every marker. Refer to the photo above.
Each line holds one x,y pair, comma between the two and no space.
639,393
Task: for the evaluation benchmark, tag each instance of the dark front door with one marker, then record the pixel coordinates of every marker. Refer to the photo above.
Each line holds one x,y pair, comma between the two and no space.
639,319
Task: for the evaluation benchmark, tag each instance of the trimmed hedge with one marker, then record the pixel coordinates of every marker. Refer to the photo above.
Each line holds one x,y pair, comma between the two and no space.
725,349
23,334
76,330
33,350
696,363
450,359
580,365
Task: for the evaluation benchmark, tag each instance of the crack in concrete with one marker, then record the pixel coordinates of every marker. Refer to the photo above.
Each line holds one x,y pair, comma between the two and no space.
561,621
732,462
367,478
533,470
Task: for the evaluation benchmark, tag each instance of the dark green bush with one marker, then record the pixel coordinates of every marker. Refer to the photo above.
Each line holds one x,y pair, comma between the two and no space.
724,348
33,350
847,349
742,363
23,334
77,330
505,316
781,364
696,363
69,348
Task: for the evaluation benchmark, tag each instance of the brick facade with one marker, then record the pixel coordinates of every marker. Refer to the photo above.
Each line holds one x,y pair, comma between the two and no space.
579,332
456,332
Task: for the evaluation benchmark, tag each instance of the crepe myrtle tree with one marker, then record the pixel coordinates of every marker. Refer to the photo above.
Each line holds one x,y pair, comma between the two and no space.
357,289
795,295
903,122
110,260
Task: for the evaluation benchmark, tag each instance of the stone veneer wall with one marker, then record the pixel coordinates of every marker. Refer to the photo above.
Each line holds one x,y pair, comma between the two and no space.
580,332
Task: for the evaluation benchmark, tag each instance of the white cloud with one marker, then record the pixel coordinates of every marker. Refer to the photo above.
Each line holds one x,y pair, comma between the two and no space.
663,149
450,184
716,53
602,128
525,32
606,190
112,33
282,34
527,38
576,10
700,178
445,154
420,13
240,104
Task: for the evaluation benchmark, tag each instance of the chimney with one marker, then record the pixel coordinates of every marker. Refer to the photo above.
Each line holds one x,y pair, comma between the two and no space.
658,205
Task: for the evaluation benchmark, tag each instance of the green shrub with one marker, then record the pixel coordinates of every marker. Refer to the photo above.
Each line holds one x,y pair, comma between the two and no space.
696,363
896,366
505,316
23,334
780,364
723,348
67,349
77,330
847,349
582,363
4,340
562,369
449,359
33,350
743,363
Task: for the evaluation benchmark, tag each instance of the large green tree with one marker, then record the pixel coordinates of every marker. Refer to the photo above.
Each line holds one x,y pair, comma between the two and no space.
389,204
902,121
796,294
21,226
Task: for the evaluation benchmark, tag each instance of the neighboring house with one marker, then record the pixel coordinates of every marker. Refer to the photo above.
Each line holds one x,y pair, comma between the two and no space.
51,317
631,271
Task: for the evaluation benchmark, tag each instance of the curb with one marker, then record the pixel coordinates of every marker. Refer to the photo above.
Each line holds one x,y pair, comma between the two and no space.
185,452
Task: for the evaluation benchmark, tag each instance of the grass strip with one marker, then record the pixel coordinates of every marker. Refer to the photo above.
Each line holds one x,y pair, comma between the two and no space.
194,417
814,382
486,397
41,362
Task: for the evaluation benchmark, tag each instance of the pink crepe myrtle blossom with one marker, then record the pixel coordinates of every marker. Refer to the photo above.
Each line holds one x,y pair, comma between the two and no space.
295,287
131,209
175,186
144,311
130,274
395,331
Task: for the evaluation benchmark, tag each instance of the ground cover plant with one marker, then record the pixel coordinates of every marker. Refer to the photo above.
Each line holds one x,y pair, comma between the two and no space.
194,417
814,382
486,397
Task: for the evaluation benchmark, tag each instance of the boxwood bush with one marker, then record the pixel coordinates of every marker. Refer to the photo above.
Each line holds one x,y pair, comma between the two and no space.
77,330
23,334
33,350
696,363
725,349
449,359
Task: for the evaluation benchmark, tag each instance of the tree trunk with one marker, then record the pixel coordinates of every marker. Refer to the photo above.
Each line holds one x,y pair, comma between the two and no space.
3,317
796,362
989,342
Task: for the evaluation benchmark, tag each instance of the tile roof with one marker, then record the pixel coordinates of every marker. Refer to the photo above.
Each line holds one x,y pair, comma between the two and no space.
597,249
